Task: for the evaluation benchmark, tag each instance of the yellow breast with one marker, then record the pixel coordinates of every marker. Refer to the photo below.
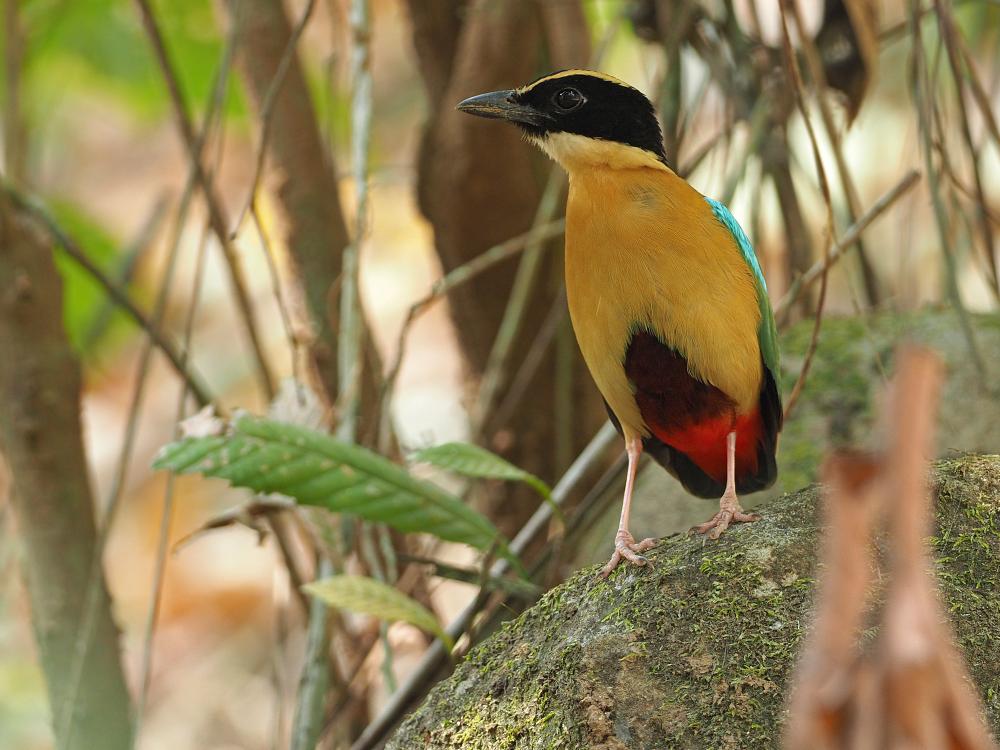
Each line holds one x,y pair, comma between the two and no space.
643,248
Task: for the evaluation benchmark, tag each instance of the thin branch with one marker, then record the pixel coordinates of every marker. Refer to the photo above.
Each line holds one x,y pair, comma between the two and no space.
494,375
132,255
527,273
220,225
306,726
267,105
115,491
121,298
279,298
918,79
418,680
796,76
528,368
349,354
979,92
847,242
815,63
950,34
166,515
350,359
455,278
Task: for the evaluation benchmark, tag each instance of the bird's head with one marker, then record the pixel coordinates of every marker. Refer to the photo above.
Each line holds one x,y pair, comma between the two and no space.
581,119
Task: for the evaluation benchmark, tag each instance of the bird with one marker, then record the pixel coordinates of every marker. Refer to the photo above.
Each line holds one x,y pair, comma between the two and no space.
666,296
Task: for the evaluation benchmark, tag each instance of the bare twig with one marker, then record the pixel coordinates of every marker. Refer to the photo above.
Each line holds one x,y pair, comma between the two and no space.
815,63
14,141
302,176
307,724
267,105
951,36
456,277
198,389
132,255
350,360
918,80
410,690
279,298
219,223
921,682
166,516
847,242
793,69
527,273
106,524
350,356
825,677
979,92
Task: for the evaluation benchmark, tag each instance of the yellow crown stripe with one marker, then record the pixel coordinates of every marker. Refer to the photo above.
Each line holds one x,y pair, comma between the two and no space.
574,72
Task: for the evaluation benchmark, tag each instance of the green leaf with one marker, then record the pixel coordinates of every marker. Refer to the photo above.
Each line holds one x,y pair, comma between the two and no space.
316,469
472,461
370,597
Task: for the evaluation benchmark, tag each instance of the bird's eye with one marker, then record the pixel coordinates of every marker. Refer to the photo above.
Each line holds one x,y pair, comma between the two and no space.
568,99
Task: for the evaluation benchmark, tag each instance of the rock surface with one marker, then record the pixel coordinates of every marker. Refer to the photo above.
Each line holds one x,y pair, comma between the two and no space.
696,651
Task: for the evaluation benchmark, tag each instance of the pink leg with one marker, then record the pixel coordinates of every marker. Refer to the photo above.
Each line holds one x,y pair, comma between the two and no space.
625,545
730,510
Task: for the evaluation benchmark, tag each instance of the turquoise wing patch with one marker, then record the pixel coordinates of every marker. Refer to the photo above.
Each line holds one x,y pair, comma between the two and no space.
767,333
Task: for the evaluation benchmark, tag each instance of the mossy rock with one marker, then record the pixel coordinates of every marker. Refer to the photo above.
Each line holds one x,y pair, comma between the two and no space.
695,652
837,407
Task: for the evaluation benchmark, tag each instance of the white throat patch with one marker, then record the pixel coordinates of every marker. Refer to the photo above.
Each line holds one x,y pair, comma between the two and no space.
577,152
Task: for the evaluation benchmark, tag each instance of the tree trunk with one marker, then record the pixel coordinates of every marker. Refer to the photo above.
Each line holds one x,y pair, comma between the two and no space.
41,439
695,652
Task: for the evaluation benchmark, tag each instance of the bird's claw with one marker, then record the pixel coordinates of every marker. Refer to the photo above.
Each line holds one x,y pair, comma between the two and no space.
730,512
627,548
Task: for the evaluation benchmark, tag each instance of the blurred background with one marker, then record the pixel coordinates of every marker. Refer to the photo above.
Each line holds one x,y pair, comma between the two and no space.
325,131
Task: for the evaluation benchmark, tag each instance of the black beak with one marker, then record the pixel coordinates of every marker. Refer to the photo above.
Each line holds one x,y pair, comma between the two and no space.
501,105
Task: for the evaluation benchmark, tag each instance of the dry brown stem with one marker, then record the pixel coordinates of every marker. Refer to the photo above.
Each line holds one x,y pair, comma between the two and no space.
911,690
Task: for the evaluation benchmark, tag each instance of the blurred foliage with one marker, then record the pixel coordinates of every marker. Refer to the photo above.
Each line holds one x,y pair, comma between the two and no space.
84,302
99,46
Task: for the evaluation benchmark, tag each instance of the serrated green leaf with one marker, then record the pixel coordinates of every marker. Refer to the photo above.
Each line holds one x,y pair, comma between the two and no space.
473,461
316,469
370,597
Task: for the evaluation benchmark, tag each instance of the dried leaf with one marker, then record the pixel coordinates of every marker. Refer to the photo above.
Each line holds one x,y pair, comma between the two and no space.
203,423
848,44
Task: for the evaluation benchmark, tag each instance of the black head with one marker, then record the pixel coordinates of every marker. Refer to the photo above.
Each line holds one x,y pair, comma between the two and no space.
579,102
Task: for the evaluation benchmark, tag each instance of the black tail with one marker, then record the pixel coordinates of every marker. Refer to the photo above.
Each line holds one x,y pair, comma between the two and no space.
700,484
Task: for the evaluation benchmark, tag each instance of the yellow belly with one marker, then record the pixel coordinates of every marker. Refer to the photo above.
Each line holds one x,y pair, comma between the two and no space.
643,248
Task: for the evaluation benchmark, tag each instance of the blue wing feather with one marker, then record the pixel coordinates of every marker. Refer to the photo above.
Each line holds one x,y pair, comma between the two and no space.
767,334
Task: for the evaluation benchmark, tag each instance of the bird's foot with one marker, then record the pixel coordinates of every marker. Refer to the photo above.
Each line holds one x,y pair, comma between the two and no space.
627,548
730,512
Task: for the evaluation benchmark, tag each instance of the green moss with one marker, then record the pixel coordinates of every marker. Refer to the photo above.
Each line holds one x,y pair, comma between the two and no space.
696,651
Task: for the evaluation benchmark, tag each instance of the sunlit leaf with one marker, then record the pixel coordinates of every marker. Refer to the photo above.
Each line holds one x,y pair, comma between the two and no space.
315,469
370,597
473,461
